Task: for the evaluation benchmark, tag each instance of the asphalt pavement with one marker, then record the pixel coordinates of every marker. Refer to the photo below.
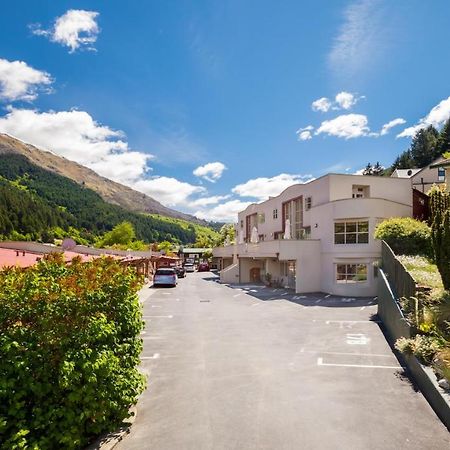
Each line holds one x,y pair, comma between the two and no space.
233,367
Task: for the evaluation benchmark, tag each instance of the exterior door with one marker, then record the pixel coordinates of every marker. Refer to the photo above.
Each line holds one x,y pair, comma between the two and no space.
255,274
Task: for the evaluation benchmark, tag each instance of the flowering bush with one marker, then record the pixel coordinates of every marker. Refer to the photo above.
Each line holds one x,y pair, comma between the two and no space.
70,346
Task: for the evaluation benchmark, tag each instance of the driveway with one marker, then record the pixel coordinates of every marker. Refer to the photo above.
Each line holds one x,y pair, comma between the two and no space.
260,368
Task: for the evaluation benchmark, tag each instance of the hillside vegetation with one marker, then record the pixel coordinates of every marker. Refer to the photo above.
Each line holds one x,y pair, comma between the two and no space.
38,204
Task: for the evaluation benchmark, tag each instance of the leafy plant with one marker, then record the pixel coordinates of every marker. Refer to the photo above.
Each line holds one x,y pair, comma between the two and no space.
421,346
70,346
405,236
440,216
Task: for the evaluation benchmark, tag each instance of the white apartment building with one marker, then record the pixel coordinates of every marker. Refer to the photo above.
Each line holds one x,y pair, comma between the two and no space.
317,236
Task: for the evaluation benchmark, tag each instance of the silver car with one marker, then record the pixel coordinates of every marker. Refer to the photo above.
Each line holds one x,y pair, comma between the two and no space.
165,277
189,267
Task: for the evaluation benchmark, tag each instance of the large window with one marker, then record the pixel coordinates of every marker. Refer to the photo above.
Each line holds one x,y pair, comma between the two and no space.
275,214
441,174
356,232
351,273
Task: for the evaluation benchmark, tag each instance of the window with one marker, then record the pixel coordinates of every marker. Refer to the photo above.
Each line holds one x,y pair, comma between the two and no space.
360,191
242,224
308,203
351,273
306,233
441,174
275,213
351,232
261,218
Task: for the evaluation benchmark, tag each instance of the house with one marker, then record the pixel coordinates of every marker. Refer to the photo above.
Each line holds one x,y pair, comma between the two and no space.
422,179
316,236
193,254
444,167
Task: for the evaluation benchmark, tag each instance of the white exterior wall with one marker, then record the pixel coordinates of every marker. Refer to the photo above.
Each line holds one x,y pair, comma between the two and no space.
316,258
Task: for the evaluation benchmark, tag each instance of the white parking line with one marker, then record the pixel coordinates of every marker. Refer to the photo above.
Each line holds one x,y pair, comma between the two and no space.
363,366
158,317
155,356
237,295
152,338
156,306
352,321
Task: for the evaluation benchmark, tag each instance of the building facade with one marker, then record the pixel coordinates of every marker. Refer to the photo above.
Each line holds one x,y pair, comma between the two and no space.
316,237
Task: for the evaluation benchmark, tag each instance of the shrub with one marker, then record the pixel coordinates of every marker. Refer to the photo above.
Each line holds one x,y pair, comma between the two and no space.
440,216
423,347
406,236
70,346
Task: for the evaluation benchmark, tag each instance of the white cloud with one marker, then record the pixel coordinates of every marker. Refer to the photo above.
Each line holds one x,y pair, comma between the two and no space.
78,137
346,100
436,117
393,123
167,190
346,126
321,104
342,100
75,29
361,38
19,81
263,188
211,172
305,134
225,212
206,201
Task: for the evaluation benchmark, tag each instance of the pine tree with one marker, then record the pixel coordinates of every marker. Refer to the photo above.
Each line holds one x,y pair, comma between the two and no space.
443,141
423,146
378,169
368,170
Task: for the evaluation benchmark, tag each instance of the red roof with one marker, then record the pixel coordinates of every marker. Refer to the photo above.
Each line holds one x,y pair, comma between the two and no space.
20,258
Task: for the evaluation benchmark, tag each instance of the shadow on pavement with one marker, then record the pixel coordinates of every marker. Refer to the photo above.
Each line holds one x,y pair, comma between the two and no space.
265,293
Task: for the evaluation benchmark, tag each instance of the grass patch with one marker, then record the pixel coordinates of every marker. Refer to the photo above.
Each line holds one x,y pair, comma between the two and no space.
423,271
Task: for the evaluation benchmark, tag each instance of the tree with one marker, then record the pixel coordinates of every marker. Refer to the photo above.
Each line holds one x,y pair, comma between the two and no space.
226,234
165,246
378,169
122,234
440,231
368,170
443,141
423,146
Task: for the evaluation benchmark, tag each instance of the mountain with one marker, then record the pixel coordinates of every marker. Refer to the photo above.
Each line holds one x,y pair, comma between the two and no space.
37,204
110,191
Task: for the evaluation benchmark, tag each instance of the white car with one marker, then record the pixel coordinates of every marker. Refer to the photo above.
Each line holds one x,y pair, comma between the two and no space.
189,267
165,277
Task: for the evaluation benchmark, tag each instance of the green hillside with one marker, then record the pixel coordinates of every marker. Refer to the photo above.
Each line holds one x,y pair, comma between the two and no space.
39,204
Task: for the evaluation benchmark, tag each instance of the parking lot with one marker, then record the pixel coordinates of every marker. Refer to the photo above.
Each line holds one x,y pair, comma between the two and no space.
250,367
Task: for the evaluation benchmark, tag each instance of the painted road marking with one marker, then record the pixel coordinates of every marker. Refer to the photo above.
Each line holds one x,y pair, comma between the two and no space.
364,366
155,356
158,317
152,337
328,295
255,304
357,339
237,295
318,301
350,321
156,306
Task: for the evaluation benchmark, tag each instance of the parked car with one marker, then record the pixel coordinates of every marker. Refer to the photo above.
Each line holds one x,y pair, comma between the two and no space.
181,271
165,277
189,267
203,267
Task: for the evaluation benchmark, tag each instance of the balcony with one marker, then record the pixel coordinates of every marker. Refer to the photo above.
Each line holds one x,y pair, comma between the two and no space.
224,252
281,249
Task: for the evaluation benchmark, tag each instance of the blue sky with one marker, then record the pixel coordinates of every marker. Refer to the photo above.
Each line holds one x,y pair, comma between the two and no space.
210,105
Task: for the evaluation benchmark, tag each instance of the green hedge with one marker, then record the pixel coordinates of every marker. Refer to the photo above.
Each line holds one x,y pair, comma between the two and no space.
70,346
406,236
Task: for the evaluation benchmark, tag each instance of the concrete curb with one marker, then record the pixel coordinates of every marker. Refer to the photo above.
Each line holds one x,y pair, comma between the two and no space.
396,327
426,380
108,441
